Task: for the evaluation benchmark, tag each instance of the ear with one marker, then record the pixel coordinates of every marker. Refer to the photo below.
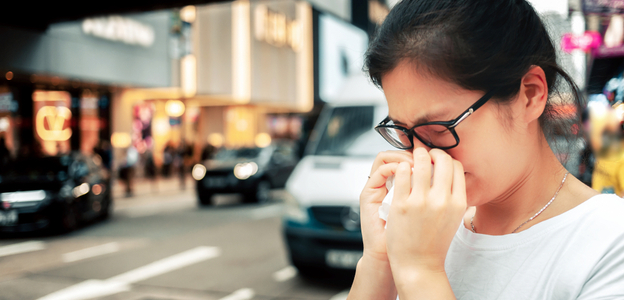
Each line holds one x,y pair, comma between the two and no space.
533,94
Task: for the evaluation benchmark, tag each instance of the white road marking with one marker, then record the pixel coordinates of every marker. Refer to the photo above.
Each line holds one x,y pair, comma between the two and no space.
285,274
168,264
91,252
120,283
242,294
341,296
89,289
21,248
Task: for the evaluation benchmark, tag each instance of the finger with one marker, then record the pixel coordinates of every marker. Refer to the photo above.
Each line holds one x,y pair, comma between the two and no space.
442,170
390,157
402,179
422,170
458,189
379,177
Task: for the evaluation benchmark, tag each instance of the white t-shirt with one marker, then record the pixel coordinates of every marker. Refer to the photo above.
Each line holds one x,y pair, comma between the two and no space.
576,255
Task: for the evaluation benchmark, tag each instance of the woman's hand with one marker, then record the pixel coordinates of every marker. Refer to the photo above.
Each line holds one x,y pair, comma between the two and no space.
373,276
373,231
424,218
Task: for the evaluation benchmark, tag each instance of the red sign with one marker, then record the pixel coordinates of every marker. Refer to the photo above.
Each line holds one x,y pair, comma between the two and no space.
589,40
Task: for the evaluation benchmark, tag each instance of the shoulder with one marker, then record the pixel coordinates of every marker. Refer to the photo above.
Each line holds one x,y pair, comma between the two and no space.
608,206
601,216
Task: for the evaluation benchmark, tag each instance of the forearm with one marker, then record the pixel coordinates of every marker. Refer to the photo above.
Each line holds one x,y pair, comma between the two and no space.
424,285
373,280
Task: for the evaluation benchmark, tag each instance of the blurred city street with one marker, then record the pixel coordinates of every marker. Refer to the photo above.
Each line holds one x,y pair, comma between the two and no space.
161,245
212,149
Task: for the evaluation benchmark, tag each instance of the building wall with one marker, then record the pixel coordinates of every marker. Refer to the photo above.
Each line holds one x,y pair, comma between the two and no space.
64,50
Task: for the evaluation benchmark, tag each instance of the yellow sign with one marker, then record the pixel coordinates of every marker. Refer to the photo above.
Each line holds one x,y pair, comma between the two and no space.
56,117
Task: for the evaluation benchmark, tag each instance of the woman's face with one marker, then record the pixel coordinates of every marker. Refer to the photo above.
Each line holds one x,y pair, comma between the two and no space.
493,149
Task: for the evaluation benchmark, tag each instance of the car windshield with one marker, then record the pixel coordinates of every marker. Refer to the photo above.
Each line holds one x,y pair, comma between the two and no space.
348,132
39,168
236,154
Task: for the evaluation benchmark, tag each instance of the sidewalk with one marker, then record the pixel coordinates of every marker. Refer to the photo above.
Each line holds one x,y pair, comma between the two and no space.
144,186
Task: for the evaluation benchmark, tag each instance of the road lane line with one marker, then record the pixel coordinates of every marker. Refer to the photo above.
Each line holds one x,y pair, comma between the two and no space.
21,248
285,274
341,296
89,289
91,252
242,294
120,283
168,264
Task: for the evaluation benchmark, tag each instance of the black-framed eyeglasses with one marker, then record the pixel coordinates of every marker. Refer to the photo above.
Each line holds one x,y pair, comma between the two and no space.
439,134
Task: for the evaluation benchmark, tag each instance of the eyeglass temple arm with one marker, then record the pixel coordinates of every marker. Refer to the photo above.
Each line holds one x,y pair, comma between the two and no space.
474,107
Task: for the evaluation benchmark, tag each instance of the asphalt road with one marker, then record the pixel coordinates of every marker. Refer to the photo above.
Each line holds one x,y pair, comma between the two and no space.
163,246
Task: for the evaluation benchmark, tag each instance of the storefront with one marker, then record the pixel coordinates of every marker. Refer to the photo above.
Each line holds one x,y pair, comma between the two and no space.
59,87
601,36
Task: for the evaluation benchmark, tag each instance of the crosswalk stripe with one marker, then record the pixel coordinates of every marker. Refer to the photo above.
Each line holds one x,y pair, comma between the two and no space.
242,294
285,274
122,282
21,248
91,252
341,296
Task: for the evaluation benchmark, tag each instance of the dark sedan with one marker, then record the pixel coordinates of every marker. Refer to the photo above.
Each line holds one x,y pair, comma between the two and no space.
252,172
53,193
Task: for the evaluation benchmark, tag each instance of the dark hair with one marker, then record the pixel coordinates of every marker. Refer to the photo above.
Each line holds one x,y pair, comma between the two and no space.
478,45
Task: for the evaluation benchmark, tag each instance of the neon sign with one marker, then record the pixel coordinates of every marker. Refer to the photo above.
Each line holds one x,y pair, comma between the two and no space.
56,117
589,40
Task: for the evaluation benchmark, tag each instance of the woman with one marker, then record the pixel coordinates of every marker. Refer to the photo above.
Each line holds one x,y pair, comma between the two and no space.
537,232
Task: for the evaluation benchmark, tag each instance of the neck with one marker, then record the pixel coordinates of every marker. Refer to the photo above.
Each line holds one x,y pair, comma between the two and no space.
530,193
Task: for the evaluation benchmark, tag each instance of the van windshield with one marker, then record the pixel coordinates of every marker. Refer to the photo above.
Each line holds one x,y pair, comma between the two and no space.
349,131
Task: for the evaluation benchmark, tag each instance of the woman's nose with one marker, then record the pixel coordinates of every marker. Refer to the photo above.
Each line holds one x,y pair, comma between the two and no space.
419,144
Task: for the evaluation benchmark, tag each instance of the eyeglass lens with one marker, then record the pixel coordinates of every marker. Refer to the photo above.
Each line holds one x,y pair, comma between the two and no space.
435,135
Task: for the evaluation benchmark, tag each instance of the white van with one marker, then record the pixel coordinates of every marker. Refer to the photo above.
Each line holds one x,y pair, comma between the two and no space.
322,220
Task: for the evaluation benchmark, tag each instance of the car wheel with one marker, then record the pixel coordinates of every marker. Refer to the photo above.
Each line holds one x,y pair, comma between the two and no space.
261,194
68,219
106,208
205,199
263,191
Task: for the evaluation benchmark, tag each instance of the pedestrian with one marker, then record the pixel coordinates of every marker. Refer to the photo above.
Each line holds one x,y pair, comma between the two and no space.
168,159
5,154
482,208
127,170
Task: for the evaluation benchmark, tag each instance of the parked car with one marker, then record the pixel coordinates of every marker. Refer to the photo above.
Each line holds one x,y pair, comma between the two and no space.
57,193
322,220
252,172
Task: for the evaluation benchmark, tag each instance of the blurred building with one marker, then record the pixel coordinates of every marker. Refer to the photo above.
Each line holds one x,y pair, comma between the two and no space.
58,84
228,74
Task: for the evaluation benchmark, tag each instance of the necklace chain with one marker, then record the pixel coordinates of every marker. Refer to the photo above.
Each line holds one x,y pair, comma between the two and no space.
537,214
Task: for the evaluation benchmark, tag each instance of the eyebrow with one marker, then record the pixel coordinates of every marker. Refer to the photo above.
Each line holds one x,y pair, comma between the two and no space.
424,119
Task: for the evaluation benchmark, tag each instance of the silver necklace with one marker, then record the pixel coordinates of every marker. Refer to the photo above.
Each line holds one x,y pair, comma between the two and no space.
537,214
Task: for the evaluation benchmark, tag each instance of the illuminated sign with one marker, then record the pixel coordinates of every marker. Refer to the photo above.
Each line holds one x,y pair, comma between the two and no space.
589,40
277,29
119,29
55,117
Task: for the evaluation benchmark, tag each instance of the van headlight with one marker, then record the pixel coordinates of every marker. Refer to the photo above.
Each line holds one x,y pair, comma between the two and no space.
198,172
294,210
245,170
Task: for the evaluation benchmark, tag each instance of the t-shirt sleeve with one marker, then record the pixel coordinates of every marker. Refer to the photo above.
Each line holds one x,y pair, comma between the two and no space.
607,279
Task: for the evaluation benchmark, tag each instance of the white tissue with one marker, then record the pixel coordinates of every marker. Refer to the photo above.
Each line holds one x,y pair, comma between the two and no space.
384,208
